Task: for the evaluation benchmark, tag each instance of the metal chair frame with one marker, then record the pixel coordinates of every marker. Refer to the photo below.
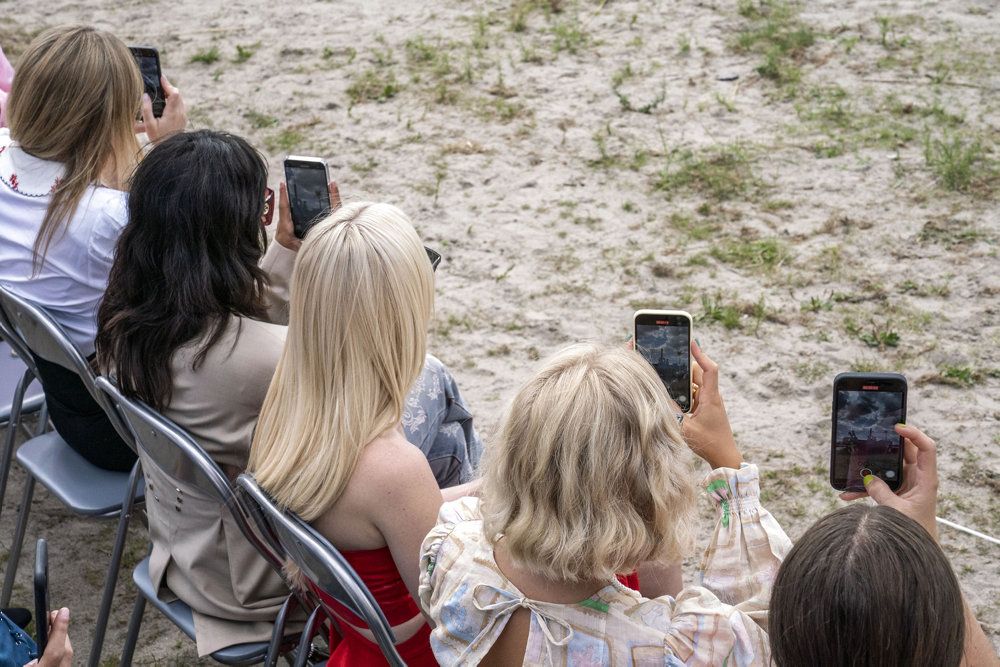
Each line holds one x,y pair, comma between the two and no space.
171,448
29,329
294,540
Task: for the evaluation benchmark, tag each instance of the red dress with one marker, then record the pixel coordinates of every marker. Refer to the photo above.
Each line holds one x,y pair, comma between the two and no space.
377,569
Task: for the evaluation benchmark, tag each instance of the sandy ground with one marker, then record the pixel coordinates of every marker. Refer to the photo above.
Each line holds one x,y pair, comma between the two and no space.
816,185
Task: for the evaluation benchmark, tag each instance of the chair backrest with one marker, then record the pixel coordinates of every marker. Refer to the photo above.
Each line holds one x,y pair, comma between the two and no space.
174,451
320,562
30,329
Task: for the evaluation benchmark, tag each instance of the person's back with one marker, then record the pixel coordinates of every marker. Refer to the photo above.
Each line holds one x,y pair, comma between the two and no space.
587,480
63,169
330,442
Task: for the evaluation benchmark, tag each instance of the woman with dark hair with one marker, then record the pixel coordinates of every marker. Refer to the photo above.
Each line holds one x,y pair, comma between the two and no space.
193,324
869,585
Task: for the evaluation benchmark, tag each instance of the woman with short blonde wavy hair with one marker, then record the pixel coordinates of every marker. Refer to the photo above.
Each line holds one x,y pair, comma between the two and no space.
588,475
329,443
589,480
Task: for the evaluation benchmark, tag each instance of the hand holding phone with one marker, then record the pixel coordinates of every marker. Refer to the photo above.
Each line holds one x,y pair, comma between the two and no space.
309,193
706,428
163,111
41,594
866,409
917,496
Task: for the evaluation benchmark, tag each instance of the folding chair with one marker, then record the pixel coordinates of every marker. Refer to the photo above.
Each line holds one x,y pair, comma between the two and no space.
17,379
82,487
163,444
320,562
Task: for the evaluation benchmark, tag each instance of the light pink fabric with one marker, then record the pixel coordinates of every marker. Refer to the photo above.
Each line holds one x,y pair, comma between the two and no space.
6,78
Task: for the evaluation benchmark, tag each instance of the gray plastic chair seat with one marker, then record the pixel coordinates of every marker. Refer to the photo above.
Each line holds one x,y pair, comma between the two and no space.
81,486
31,405
181,616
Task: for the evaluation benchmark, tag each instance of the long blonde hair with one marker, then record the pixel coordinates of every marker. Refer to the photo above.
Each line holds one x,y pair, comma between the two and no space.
74,101
362,296
589,475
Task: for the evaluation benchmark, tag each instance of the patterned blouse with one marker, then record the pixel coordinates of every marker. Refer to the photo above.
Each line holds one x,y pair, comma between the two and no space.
723,621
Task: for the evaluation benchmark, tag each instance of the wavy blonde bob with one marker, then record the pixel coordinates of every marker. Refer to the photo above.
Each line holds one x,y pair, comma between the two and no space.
589,476
74,100
362,296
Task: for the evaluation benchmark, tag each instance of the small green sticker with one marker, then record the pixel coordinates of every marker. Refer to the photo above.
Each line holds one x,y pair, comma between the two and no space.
598,605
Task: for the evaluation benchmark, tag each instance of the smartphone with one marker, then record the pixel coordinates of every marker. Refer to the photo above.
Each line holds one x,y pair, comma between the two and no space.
148,60
866,408
308,191
434,256
663,337
41,595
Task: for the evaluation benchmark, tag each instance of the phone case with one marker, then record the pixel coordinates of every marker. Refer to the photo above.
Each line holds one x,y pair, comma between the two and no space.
41,594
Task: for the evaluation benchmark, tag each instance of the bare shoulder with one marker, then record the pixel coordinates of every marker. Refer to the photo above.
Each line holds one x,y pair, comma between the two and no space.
393,465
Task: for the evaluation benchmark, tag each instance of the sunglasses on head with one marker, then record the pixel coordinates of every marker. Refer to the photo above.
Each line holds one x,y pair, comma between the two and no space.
268,215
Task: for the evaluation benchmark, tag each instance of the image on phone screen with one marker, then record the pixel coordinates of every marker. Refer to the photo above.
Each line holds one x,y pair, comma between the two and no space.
149,66
308,195
666,344
864,441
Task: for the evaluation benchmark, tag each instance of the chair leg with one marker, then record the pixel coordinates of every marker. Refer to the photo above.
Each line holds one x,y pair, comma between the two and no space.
278,633
128,503
15,547
305,642
43,420
134,623
12,426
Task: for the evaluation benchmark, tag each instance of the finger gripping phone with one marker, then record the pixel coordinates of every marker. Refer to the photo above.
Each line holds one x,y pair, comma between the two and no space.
663,338
148,60
866,408
41,594
308,180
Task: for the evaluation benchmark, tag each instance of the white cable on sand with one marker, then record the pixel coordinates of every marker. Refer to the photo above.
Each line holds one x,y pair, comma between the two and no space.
982,536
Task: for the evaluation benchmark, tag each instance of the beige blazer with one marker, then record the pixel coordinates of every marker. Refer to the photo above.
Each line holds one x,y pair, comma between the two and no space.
199,553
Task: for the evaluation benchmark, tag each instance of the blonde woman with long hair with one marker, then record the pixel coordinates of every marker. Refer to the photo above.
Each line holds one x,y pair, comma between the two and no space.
64,162
589,478
329,443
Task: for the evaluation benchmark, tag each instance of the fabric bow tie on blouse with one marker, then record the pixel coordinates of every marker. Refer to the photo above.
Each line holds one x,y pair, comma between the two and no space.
506,605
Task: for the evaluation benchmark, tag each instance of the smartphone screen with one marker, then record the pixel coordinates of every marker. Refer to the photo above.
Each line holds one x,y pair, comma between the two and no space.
148,60
41,595
664,339
866,409
308,192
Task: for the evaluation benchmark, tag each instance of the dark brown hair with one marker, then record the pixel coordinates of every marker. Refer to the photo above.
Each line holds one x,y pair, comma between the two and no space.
866,586
186,261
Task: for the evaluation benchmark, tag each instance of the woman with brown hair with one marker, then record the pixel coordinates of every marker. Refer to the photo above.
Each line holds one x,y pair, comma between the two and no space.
64,162
869,585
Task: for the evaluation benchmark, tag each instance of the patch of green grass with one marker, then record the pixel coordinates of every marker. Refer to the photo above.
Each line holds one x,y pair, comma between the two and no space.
815,304
761,254
245,52
697,229
880,335
960,165
775,32
925,289
258,120
958,376
569,36
372,85
723,172
950,232
285,141
206,56
715,310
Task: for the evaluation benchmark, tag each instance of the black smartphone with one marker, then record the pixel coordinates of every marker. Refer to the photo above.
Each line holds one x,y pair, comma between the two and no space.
148,60
866,408
434,256
663,337
41,595
308,180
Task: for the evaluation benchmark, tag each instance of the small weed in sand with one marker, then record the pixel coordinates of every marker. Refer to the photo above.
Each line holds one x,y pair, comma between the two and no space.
206,56
372,85
880,335
950,233
958,376
958,164
285,141
570,36
259,120
927,289
724,172
697,229
245,52
815,304
776,33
